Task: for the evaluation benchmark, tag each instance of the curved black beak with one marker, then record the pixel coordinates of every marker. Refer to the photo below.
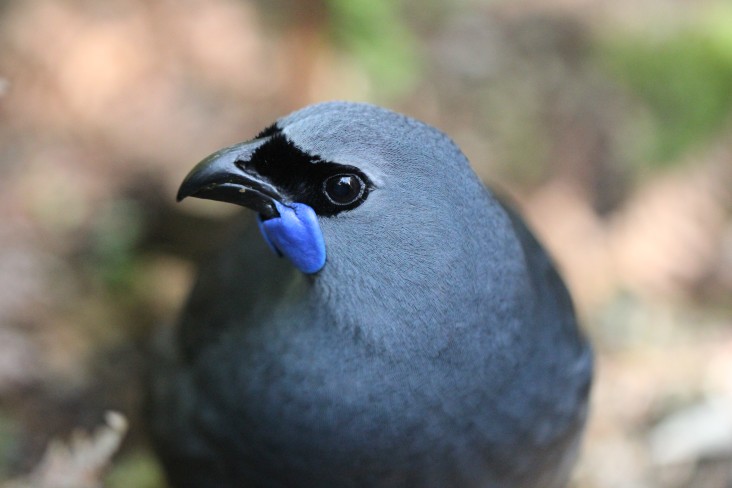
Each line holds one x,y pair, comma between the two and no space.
224,176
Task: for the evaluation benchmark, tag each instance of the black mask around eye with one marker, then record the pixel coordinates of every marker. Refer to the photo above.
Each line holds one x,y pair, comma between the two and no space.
288,189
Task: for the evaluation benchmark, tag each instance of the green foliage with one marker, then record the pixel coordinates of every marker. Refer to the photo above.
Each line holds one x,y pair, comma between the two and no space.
114,237
685,80
8,442
374,31
138,469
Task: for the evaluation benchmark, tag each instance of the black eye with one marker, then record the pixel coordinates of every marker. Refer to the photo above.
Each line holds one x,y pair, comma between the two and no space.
343,189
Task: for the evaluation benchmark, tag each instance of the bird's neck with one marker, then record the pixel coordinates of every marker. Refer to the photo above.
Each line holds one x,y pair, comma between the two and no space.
429,299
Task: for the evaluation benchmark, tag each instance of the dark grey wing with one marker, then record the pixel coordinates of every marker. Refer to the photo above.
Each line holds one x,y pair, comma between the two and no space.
173,408
565,360
556,303
243,276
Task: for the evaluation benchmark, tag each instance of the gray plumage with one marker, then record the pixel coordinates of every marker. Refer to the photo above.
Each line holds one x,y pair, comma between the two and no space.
437,346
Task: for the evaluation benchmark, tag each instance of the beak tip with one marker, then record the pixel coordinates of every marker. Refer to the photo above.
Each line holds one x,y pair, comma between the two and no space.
220,177
187,189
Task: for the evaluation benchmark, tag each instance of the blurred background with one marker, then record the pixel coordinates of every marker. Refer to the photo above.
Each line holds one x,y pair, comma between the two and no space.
607,122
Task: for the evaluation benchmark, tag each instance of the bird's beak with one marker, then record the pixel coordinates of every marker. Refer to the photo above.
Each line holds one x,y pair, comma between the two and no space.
224,176
291,229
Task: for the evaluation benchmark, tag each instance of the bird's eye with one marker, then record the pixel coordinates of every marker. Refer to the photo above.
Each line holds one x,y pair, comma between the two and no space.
343,189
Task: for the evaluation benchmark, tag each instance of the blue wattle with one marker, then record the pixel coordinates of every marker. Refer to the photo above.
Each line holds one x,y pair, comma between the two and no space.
296,235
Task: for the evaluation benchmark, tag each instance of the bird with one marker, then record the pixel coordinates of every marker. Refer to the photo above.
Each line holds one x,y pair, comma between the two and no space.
381,319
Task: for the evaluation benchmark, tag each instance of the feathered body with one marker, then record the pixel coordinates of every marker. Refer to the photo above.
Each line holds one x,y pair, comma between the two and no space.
437,346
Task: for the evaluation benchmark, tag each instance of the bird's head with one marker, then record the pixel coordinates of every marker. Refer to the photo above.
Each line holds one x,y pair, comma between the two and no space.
341,181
